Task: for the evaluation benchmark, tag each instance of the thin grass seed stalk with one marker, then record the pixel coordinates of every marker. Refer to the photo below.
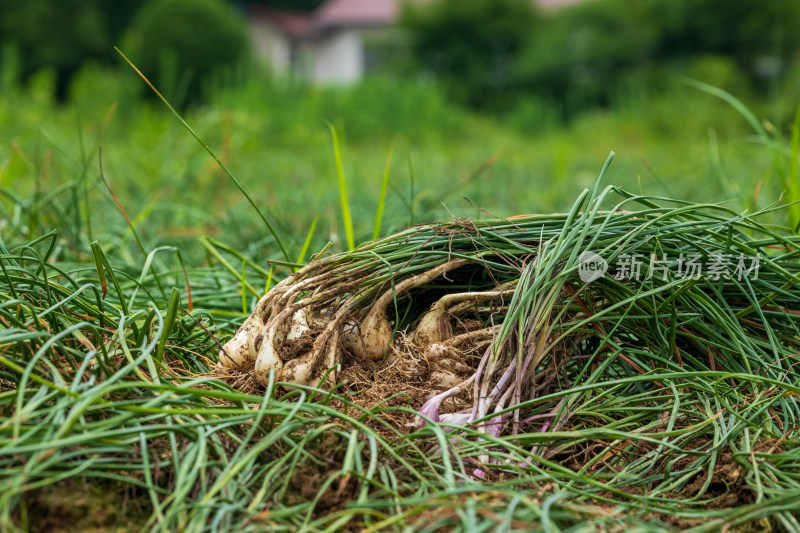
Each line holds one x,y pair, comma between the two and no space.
537,325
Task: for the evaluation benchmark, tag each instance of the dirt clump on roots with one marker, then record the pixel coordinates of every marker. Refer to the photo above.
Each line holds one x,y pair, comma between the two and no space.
240,378
293,348
407,377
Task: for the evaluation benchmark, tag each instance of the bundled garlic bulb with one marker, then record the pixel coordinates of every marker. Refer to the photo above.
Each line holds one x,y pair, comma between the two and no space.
308,368
272,339
445,379
434,326
299,325
351,338
299,370
267,359
372,339
376,333
238,351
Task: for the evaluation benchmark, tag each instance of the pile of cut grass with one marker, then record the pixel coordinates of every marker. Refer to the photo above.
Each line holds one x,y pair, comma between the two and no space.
674,402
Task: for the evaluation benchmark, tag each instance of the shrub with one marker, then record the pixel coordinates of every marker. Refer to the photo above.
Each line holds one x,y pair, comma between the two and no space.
60,35
179,43
471,45
586,55
745,30
577,55
52,34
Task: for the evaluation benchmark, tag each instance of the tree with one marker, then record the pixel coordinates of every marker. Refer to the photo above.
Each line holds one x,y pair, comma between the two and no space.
63,34
182,42
471,45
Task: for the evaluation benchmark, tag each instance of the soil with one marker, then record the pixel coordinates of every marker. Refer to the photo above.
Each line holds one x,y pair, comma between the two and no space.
403,380
291,349
726,489
75,505
466,325
321,479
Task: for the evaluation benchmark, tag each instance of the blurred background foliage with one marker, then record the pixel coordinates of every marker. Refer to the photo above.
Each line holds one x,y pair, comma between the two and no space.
513,108
61,35
472,46
160,35
488,55
496,54
163,40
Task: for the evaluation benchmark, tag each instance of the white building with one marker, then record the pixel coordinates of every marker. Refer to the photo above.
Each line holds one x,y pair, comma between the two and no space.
338,42
333,44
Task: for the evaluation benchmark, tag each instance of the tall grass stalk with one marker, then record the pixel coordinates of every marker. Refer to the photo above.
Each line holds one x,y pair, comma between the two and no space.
213,155
342,183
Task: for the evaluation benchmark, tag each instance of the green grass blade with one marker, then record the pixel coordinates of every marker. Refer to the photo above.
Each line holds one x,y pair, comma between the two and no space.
268,283
794,172
304,250
735,103
224,262
169,322
212,154
244,287
411,196
348,220
97,257
382,198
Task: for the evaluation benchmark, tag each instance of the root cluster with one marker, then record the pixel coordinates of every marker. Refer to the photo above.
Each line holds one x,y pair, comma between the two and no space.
472,323
329,324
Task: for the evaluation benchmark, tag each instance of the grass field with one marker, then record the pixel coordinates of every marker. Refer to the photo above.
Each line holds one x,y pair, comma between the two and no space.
110,327
276,141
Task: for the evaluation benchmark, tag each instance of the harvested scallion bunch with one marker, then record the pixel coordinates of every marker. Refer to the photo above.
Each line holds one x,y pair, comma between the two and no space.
607,291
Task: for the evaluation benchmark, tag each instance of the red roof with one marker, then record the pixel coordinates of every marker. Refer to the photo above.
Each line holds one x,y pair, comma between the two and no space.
295,23
338,13
357,13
